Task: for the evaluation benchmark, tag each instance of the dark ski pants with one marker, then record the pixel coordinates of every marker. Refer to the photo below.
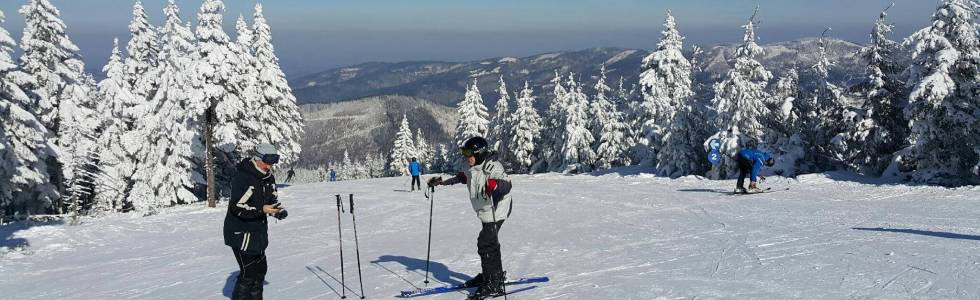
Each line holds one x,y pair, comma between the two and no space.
488,246
251,275
416,181
744,169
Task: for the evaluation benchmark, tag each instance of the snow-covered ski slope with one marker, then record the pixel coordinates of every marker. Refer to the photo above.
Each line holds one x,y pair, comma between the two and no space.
597,237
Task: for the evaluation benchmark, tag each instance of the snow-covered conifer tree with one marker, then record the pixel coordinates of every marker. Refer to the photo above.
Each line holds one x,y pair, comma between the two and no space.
143,51
740,103
665,83
473,116
576,151
525,130
784,134
828,141
500,124
884,129
219,87
277,94
117,105
25,147
423,152
170,174
403,150
943,103
608,127
57,85
553,129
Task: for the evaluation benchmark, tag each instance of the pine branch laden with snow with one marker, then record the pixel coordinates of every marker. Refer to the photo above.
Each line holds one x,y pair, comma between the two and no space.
576,151
525,130
287,129
501,123
884,129
665,83
740,103
942,106
403,150
608,128
25,143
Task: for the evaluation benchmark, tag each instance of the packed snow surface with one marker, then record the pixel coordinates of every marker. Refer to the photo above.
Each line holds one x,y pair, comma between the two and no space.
825,236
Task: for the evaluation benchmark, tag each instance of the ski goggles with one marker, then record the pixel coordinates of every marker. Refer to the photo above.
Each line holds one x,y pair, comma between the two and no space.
269,158
466,152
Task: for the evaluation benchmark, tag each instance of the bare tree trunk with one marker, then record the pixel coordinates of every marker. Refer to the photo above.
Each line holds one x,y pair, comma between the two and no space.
209,154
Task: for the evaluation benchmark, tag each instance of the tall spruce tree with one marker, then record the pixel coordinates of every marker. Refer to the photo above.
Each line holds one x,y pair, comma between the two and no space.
884,129
501,123
608,127
943,103
403,149
576,149
25,147
275,92
665,83
740,103
525,130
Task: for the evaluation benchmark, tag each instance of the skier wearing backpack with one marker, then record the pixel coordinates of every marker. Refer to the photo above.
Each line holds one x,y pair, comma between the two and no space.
750,162
489,192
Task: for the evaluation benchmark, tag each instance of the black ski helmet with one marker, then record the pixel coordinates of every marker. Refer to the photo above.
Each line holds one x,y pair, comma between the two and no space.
477,147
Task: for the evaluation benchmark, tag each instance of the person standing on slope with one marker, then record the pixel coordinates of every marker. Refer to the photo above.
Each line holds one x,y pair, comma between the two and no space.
489,192
416,170
253,198
750,162
333,175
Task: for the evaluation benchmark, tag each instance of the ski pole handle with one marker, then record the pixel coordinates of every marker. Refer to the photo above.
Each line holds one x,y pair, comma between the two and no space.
352,203
340,205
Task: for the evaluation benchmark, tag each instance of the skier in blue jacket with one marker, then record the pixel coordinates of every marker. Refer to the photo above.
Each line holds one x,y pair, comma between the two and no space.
750,162
416,170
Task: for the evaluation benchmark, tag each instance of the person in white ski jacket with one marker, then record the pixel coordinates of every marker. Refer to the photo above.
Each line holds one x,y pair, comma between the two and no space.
489,193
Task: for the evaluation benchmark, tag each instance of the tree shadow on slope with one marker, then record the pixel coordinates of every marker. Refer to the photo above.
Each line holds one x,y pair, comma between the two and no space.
437,271
948,235
7,231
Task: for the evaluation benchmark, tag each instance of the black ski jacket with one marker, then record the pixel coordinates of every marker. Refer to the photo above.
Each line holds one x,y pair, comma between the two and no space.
245,226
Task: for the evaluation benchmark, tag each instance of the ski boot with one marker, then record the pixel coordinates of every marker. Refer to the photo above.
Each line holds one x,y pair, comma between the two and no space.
475,282
492,287
754,189
741,190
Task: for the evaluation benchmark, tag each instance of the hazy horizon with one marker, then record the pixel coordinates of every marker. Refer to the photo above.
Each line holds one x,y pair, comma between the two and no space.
313,36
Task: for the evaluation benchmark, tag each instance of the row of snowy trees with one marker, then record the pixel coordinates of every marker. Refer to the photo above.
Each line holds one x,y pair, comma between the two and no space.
176,105
919,122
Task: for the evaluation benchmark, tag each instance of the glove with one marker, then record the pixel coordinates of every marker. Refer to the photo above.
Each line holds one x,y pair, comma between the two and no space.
490,187
434,181
281,215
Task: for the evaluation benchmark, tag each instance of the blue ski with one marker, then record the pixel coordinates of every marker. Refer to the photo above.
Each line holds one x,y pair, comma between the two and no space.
447,289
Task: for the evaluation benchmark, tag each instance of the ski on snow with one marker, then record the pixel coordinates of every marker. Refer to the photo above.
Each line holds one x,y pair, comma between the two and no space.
447,289
767,190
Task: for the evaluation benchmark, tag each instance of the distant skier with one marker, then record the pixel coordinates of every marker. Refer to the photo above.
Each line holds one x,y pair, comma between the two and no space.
333,175
290,174
416,170
489,192
253,198
750,162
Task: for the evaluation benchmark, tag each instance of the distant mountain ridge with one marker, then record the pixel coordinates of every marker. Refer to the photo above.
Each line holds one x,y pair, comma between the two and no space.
445,82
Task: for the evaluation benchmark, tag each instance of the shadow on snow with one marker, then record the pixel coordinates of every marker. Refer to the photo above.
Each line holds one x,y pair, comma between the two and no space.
948,235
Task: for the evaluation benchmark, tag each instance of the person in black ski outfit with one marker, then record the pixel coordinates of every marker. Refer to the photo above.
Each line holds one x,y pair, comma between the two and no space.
253,198
489,193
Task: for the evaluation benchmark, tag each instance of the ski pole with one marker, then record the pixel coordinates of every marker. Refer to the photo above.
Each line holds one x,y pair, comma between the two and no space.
428,251
493,213
340,237
357,248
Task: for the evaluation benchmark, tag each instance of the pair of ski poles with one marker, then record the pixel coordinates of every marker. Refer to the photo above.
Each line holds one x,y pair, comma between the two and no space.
357,248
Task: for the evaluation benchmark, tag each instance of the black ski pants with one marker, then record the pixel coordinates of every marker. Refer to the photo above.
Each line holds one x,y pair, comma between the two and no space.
416,181
488,246
251,275
744,169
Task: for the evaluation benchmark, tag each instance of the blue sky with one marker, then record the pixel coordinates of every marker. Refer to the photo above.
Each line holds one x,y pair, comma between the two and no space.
314,35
